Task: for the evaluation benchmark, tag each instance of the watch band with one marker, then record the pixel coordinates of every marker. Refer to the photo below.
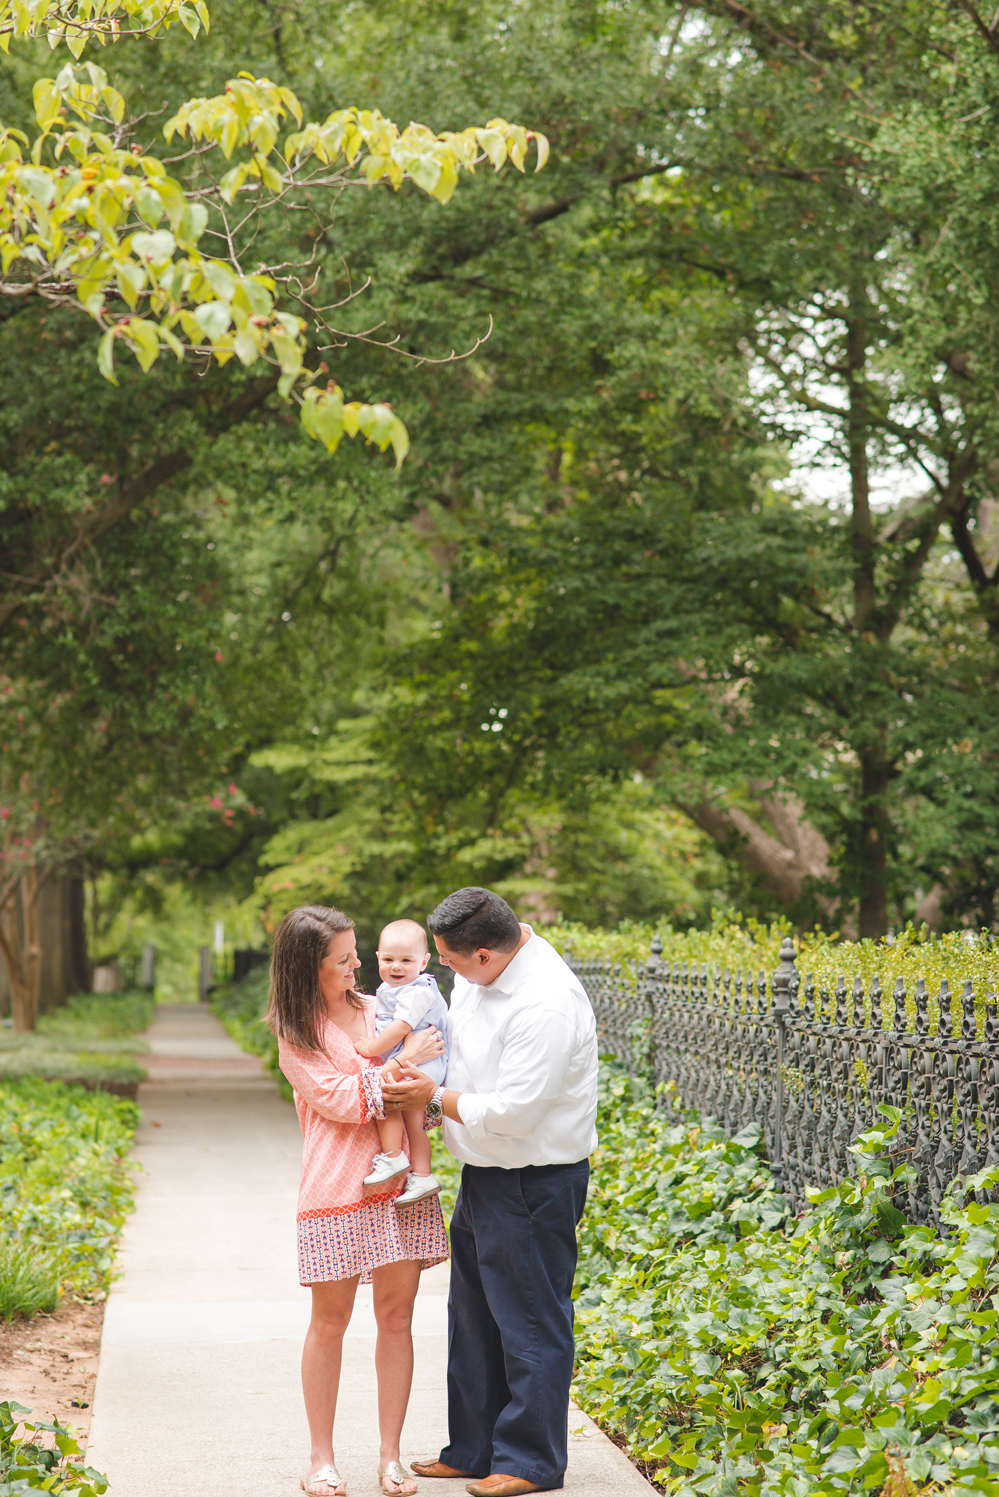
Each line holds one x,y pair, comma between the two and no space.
438,1098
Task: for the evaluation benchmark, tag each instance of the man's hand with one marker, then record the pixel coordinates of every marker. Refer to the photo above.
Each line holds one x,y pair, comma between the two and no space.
411,1089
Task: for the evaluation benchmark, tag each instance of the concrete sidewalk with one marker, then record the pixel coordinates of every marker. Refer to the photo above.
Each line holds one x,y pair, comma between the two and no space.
198,1392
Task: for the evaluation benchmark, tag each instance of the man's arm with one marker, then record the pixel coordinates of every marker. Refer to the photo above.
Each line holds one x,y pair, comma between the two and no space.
537,1050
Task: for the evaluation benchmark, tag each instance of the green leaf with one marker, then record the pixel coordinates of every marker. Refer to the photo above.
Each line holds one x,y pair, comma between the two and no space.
891,1219
149,204
247,349
220,278
213,318
38,184
105,356
157,248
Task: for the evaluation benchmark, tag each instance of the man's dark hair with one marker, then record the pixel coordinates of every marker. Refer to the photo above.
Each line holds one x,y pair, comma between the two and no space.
473,918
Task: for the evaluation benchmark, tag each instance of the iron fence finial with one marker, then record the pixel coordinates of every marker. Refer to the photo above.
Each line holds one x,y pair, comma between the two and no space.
786,974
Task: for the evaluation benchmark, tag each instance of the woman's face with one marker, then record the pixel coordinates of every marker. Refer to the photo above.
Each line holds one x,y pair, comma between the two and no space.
337,968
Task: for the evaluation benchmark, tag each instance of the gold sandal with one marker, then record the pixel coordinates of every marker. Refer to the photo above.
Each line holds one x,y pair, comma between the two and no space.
400,1477
328,1474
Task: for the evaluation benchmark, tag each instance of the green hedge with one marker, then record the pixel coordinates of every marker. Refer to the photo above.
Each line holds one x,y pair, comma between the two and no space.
92,1040
99,1017
753,946
65,1187
734,1351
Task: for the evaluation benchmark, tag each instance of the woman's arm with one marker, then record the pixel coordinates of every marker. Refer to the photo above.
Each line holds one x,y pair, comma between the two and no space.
341,1096
393,1034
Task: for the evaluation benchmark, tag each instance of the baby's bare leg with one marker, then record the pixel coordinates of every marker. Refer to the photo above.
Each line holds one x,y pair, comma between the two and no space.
390,1132
419,1141
390,1127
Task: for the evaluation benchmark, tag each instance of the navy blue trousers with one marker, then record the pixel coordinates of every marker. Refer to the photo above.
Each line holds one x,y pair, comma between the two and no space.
510,1318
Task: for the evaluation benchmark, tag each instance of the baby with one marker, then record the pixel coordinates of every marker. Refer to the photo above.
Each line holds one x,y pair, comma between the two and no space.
408,998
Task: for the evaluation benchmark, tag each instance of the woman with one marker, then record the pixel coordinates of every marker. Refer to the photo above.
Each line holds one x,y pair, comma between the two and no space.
347,1235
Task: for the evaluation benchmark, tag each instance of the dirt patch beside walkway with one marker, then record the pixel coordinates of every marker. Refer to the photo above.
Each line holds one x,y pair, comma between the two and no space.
49,1363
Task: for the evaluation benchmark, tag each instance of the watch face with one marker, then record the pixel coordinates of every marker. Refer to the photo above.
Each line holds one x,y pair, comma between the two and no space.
435,1110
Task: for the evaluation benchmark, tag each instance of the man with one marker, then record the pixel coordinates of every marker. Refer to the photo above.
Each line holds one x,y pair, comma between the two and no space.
519,1104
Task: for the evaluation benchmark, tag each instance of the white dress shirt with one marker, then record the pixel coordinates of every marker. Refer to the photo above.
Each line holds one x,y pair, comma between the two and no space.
523,1055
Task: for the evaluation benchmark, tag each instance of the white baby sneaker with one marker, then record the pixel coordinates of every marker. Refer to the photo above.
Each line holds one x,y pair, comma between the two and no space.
418,1186
385,1167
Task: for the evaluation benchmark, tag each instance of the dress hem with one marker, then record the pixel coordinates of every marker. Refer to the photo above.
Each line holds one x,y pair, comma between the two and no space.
341,1245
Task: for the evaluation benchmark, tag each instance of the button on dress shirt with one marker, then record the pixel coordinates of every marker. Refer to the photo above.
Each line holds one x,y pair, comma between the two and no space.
524,1057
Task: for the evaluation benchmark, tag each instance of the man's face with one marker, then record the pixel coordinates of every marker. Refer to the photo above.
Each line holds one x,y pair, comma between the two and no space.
478,966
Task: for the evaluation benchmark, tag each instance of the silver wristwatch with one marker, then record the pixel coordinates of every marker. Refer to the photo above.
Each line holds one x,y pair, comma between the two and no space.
435,1109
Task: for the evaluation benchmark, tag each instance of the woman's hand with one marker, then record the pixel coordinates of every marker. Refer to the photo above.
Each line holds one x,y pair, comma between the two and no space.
423,1045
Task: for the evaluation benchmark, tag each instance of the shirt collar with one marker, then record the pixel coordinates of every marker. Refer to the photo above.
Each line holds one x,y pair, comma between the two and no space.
514,971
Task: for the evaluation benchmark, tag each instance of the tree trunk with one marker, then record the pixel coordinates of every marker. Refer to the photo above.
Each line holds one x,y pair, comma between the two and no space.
19,945
62,938
874,770
875,830
785,861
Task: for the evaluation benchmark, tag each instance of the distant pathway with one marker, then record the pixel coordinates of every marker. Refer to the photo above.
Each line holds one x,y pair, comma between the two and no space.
198,1390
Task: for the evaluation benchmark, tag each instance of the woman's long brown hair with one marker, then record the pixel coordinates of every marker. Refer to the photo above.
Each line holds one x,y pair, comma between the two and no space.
297,1009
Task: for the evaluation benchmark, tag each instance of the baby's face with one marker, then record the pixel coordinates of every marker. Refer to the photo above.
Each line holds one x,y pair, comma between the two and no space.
400,961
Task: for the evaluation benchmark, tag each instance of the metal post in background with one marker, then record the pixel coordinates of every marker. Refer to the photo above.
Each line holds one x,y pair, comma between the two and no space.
149,967
781,989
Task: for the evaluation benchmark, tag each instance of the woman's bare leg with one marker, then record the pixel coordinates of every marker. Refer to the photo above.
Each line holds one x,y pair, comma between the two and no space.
395,1288
332,1304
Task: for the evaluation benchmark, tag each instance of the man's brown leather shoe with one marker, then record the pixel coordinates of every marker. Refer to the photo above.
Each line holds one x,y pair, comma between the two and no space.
499,1485
435,1468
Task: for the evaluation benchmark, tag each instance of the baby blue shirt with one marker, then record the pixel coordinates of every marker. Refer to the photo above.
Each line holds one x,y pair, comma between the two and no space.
421,1004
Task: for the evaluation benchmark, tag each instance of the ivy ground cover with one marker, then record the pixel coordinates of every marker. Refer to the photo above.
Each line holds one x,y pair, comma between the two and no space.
737,1351
65,1190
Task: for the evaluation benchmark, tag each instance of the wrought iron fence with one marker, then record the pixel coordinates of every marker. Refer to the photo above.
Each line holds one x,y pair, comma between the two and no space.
752,1049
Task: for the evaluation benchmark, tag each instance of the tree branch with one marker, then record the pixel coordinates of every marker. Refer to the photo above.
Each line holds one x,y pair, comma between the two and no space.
158,472
986,33
802,852
966,546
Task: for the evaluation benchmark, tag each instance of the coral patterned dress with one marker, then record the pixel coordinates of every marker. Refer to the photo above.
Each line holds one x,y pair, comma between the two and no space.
344,1229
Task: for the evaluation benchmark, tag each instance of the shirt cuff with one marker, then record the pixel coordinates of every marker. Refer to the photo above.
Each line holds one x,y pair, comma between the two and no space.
471,1110
372,1101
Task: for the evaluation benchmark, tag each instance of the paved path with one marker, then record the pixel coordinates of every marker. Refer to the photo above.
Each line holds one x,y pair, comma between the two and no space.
198,1390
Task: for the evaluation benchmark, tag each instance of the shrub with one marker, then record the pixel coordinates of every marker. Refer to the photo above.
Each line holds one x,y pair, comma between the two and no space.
737,1351
92,1040
29,1463
99,1016
65,1181
120,1073
29,1281
753,946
